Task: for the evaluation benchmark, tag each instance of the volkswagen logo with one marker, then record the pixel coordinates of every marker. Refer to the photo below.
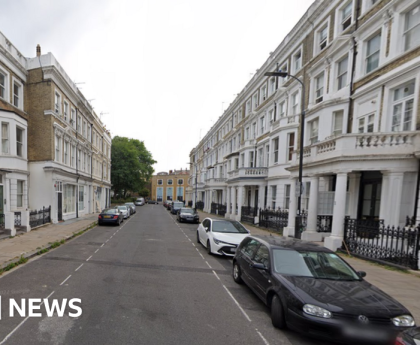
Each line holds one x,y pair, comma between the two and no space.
363,319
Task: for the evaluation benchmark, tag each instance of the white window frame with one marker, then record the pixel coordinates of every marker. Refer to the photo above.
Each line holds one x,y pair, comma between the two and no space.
294,105
273,197
320,44
19,104
272,85
5,87
342,75
73,117
413,28
66,111
366,123
20,144
276,150
378,52
297,68
5,142
319,87
290,148
404,102
20,194
282,109
312,135
284,68
170,182
255,100
262,125
263,93
337,130
347,21
57,148
57,102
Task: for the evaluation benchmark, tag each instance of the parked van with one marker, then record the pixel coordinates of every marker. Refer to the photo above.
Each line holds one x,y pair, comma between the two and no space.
176,206
139,202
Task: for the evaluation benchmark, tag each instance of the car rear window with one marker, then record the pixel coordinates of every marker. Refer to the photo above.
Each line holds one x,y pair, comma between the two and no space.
110,211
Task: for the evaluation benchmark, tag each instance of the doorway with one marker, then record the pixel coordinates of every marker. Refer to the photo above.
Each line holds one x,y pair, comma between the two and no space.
370,196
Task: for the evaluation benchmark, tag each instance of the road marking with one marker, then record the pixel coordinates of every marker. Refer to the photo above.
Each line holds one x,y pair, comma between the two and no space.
106,241
262,337
236,302
96,250
65,280
78,268
193,244
102,245
216,275
207,263
89,258
18,326
202,256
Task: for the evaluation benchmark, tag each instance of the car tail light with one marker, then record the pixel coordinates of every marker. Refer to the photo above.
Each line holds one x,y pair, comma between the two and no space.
115,217
100,217
399,341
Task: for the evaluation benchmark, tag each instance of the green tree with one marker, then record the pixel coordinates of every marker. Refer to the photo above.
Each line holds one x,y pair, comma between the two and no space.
131,165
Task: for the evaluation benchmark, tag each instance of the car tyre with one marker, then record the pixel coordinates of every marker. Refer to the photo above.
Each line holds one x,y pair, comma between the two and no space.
209,247
236,273
198,237
277,313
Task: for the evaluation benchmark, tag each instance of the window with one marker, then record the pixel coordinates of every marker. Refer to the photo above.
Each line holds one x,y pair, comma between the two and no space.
284,68
57,103
251,159
79,157
73,151
297,61
260,157
180,181
372,53
295,103
19,141
79,123
88,132
248,107
271,115
313,131
254,130
73,118
322,37
84,129
342,67
262,125
282,109
17,94
337,122
346,16
273,197
276,150
290,146
81,198
366,124
262,256
2,85
19,193
236,163
402,107
263,94
272,85
255,100
69,196
57,148
412,28
267,152
5,138
66,111
169,193
287,196
319,88
170,181
247,133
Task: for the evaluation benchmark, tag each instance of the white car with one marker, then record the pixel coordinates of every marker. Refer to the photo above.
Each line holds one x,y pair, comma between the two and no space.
125,210
221,236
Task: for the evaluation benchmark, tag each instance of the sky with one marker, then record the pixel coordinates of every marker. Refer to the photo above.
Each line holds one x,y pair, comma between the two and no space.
161,71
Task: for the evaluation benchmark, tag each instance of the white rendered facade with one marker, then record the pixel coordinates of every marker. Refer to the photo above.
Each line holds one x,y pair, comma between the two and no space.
361,142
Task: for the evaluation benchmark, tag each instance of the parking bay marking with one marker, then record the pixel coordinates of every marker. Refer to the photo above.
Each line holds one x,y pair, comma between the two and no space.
65,280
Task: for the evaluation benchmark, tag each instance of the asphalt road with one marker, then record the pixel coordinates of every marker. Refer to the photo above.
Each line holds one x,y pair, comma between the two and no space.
145,282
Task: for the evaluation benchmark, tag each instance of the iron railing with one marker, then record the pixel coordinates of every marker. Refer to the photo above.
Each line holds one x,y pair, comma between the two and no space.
18,218
199,205
248,214
391,245
40,217
273,219
324,223
219,209
1,221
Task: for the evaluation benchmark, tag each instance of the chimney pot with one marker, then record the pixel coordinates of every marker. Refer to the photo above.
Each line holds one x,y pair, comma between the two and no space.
38,50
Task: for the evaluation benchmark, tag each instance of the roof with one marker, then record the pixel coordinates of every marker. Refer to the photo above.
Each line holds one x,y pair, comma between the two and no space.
290,243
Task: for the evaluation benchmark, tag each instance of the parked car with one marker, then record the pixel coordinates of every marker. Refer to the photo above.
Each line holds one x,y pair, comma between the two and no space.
125,210
139,202
132,206
165,203
169,205
221,236
310,289
187,215
152,201
409,337
110,216
176,206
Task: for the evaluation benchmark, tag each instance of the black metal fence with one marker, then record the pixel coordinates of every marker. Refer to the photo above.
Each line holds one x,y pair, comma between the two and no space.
219,209
40,217
1,221
199,205
373,240
18,218
273,219
248,214
324,223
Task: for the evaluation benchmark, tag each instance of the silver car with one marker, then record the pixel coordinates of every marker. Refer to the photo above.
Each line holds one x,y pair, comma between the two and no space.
125,210
132,206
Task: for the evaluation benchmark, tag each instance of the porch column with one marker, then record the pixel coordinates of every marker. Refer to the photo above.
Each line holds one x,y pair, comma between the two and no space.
396,180
383,209
240,202
290,229
354,186
228,198
311,233
335,240
233,213
261,192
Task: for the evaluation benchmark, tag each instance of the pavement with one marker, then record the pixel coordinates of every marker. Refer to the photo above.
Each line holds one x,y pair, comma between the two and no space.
403,286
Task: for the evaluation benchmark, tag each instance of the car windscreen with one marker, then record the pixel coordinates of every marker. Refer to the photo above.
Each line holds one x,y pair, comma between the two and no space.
230,227
122,207
129,204
178,204
109,211
187,210
319,265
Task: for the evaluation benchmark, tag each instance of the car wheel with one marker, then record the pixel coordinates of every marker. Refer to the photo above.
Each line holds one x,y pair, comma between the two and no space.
236,273
277,313
209,247
198,237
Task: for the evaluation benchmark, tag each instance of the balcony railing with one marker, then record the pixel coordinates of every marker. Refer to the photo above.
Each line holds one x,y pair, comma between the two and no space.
248,172
363,144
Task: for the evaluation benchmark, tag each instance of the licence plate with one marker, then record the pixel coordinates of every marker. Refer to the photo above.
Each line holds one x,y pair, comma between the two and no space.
107,216
365,333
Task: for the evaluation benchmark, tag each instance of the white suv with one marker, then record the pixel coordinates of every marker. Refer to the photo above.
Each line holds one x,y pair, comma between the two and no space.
139,202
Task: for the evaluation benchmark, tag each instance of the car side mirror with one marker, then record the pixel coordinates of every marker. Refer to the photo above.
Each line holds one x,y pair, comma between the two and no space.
259,266
361,274
207,229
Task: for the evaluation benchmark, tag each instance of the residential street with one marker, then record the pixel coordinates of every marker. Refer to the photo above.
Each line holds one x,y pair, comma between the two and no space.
146,282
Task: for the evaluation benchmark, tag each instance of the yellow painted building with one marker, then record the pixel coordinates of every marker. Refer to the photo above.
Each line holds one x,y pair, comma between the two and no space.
169,186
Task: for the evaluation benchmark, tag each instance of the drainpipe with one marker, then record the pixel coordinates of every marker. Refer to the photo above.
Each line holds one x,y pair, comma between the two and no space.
416,201
77,171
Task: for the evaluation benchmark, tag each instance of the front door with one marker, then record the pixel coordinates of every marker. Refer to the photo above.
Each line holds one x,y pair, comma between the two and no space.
1,201
370,196
256,199
60,206
249,197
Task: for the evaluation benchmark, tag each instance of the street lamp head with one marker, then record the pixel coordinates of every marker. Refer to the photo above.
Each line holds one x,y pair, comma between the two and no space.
276,74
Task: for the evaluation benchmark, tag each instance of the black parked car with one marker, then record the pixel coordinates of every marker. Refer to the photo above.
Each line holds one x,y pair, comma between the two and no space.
110,216
310,289
409,337
187,215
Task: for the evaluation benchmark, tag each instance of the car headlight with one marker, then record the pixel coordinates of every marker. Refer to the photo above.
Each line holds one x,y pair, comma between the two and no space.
218,241
316,311
404,321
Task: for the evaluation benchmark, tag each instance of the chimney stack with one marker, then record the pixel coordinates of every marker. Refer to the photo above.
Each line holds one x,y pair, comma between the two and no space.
38,50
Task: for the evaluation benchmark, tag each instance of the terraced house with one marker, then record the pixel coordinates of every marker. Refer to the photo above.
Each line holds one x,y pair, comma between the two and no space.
359,62
55,151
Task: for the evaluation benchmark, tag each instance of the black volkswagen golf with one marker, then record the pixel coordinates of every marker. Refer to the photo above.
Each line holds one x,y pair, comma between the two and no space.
311,290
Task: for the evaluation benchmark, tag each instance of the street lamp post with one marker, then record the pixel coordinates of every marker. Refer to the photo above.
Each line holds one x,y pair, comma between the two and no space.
282,74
